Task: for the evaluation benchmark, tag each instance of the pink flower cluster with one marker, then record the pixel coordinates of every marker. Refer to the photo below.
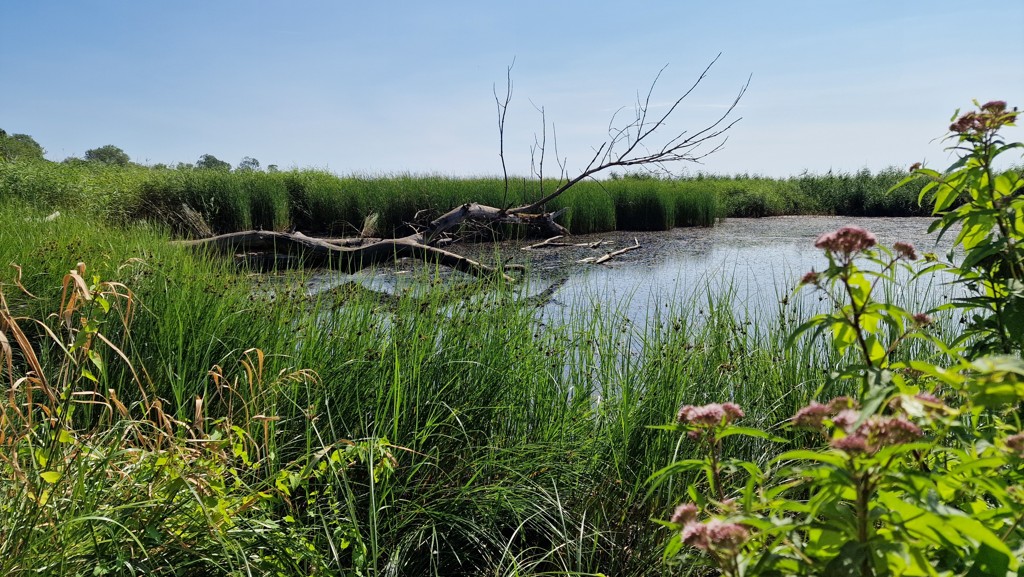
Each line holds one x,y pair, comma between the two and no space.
846,241
905,250
991,116
715,535
813,415
810,278
711,415
874,433
685,513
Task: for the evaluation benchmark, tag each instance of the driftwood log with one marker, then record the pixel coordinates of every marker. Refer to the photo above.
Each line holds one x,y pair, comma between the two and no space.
353,254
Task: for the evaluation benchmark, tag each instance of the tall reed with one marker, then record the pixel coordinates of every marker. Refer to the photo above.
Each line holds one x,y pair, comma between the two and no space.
319,202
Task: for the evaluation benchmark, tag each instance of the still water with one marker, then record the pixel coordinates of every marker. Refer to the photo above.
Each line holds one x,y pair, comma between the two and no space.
757,261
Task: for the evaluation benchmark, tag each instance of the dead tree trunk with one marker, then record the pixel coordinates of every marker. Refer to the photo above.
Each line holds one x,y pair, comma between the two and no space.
346,255
634,144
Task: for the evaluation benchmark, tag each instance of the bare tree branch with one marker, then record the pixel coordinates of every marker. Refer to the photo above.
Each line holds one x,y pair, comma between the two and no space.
502,110
636,135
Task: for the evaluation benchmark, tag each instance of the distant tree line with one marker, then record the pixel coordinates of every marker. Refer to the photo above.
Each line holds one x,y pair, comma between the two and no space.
23,147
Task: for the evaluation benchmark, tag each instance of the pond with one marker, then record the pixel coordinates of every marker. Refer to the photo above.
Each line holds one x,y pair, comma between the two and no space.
756,263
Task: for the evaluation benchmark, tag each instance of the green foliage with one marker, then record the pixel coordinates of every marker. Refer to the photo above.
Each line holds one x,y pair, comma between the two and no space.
988,207
589,208
19,147
323,203
107,154
697,204
642,204
91,188
248,163
318,203
861,194
920,471
759,197
211,162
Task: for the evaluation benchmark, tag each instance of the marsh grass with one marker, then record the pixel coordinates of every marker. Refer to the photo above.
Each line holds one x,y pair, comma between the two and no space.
319,202
862,193
268,200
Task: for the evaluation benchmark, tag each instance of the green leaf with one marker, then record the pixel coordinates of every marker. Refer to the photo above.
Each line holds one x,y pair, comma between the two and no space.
998,382
860,289
976,229
843,335
876,352
849,561
750,432
97,361
944,197
828,458
911,178
677,467
817,322
989,563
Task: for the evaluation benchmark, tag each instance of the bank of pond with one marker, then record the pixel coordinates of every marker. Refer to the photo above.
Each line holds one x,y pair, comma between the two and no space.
202,201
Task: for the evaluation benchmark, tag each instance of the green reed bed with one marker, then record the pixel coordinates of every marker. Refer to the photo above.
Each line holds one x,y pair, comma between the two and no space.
862,193
201,201
223,200
94,188
851,194
444,431
318,203
268,200
697,205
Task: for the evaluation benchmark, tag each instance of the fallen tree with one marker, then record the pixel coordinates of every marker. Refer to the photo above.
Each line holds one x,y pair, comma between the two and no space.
637,143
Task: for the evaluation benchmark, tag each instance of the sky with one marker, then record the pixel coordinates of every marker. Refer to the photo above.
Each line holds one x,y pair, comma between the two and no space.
378,88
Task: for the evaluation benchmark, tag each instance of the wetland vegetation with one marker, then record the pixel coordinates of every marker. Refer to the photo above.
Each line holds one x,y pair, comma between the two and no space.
169,413
319,202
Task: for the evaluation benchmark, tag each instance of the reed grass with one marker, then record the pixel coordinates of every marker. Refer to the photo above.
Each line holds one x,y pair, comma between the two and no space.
268,200
322,203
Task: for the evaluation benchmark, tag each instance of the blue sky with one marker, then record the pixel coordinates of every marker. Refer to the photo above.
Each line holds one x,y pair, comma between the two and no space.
386,87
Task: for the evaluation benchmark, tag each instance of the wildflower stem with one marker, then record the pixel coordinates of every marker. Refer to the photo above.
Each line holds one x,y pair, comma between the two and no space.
716,474
855,321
